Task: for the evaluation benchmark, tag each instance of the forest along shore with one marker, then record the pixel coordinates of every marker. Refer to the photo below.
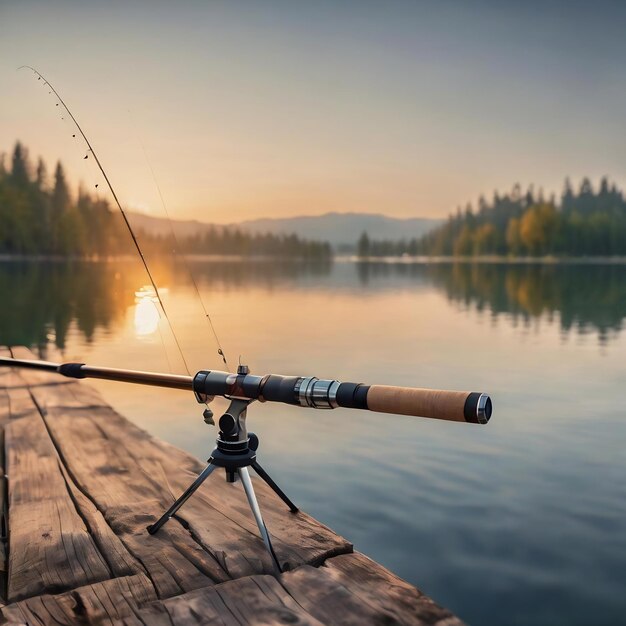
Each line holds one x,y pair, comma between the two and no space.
39,217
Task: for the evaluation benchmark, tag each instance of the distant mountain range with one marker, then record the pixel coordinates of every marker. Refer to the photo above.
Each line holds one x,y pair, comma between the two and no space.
339,229
343,228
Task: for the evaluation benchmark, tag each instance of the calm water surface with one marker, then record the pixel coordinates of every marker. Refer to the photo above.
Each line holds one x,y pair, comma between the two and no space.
520,521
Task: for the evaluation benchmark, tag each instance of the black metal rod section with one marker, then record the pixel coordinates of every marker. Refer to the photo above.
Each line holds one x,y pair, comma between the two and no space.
458,406
80,370
33,365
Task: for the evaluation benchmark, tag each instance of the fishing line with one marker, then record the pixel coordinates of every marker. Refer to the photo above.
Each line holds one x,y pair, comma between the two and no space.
220,351
117,202
101,197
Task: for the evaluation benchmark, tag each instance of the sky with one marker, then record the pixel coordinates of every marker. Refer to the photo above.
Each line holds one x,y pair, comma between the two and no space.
240,110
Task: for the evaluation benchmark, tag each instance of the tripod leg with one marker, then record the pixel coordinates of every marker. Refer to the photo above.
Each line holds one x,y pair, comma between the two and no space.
277,490
206,472
256,511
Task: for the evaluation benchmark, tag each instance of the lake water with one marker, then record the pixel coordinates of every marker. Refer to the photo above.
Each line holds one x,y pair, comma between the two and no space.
516,522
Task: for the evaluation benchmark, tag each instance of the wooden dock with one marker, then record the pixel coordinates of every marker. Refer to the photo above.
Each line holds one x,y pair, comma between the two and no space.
80,484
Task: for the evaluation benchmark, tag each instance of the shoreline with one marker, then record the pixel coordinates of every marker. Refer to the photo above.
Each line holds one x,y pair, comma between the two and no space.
344,258
213,258
495,260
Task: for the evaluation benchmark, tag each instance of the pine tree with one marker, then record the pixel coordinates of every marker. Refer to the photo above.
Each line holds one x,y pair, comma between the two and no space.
42,175
60,202
363,246
19,166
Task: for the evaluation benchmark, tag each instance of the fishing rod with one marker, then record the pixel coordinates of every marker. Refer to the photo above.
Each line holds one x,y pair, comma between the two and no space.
304,391
236,448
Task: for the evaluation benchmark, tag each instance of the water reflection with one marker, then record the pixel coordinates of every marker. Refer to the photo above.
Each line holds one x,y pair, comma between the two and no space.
42,302
146,316
584,298
233,274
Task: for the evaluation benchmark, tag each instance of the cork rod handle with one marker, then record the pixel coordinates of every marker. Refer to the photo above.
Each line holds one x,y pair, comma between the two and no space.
457,406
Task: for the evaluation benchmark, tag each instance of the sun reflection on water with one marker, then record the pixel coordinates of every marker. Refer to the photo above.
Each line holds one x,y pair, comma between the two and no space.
146,312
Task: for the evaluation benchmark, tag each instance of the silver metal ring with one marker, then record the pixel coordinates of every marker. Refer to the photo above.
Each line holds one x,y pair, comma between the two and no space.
324,394
304,390
481,409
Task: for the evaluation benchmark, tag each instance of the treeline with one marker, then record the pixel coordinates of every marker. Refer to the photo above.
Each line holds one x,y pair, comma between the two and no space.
586,222
233,242
39,216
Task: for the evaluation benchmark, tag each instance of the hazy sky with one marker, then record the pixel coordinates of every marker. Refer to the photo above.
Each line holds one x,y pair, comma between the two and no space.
250,109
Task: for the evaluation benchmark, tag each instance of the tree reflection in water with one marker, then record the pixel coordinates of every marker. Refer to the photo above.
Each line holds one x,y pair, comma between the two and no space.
585,297
43,301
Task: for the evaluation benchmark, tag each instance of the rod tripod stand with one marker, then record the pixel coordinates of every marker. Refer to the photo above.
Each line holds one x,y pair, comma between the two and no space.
235,452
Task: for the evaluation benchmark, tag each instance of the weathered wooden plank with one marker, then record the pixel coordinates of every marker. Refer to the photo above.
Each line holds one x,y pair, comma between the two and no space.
20,401
174,560
297,538
125,469
49,545
112,479
259,600
109,602
118,558
73,394
352,590
129,499
348,590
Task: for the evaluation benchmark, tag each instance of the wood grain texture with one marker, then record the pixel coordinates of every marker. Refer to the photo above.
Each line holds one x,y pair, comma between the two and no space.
258,600
352,589
118,558
349,590
109,602
50,547
130,493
